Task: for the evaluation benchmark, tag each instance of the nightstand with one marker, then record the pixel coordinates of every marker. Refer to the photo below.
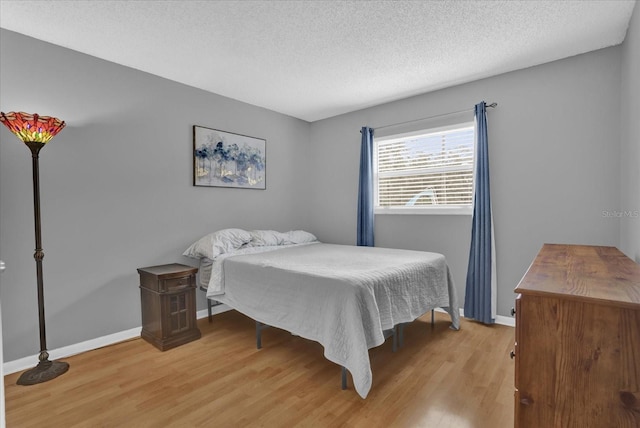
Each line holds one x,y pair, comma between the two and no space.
168,298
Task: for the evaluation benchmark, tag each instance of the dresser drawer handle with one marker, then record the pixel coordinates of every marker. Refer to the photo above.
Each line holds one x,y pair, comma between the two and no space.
526,401
512,354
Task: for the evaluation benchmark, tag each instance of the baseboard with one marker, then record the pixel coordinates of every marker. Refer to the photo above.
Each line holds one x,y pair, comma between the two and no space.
67,351
500,319
100,342
508,321
218,309
89,345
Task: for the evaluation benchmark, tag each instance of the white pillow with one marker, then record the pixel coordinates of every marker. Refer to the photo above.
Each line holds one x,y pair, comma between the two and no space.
299,237
263,238
216,243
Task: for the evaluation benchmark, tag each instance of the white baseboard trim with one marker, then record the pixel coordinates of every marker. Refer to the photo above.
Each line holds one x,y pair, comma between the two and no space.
218,309
500,319
508,321
100,342
67,351
89,345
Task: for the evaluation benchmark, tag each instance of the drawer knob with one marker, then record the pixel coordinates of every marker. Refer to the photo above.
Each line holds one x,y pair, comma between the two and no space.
513,312
512,354
526,401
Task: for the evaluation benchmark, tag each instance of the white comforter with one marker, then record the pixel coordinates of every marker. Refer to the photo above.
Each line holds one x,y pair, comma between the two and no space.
341,296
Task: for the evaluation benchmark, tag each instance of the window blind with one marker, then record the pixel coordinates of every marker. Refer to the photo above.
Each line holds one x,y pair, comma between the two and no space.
431,169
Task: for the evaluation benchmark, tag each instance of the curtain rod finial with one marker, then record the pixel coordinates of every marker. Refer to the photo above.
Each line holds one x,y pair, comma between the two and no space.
492,105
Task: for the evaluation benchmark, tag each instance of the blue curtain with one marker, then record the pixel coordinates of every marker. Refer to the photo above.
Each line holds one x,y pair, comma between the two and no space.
480,294
365,190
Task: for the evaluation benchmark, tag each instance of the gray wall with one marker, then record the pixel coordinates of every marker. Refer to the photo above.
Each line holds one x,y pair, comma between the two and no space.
117,193
554,156
630,185
117,188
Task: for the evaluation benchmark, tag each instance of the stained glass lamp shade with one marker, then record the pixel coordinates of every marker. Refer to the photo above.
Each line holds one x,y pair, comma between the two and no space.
32,127
35,131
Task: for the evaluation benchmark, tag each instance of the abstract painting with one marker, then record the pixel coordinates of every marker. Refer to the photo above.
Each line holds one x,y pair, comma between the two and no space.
225,159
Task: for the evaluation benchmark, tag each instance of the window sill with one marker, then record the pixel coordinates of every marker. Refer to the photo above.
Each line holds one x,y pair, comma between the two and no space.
466,210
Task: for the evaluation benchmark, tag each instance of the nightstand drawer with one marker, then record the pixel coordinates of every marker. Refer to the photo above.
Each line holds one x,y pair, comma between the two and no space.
176,284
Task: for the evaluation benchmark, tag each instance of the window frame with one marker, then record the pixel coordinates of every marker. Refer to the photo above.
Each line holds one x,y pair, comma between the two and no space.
423,209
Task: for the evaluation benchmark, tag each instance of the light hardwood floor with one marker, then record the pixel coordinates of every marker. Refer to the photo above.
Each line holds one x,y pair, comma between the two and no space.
439,378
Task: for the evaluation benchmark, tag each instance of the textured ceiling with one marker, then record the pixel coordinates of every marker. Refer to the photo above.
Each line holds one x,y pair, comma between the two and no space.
317,59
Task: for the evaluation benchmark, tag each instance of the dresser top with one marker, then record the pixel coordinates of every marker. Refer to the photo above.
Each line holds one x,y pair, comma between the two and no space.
583,272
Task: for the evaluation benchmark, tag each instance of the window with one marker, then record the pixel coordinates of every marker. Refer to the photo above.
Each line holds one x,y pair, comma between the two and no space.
428,171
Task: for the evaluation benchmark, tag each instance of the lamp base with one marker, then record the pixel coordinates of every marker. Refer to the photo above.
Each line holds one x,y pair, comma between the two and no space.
43,372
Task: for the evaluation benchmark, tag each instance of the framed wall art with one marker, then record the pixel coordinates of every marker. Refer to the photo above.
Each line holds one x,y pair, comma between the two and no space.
225,159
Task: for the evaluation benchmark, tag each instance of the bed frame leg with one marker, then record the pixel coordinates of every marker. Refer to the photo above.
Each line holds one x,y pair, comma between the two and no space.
432,318
394,346
258,335
209,306
401,335
344,377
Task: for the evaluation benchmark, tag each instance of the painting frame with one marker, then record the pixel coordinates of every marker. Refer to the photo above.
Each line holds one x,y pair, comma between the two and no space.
227,159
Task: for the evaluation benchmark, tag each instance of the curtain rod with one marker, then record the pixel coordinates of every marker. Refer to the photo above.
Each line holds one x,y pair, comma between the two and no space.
492,105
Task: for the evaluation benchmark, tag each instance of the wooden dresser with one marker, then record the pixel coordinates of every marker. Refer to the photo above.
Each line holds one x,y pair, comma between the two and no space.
577,351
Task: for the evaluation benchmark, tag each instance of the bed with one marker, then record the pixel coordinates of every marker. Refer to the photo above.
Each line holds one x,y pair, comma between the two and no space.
344,297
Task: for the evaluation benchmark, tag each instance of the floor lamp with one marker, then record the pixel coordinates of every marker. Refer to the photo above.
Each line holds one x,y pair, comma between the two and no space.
36,131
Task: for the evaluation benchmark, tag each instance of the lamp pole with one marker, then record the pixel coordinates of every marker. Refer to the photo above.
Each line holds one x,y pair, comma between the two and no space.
45,370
